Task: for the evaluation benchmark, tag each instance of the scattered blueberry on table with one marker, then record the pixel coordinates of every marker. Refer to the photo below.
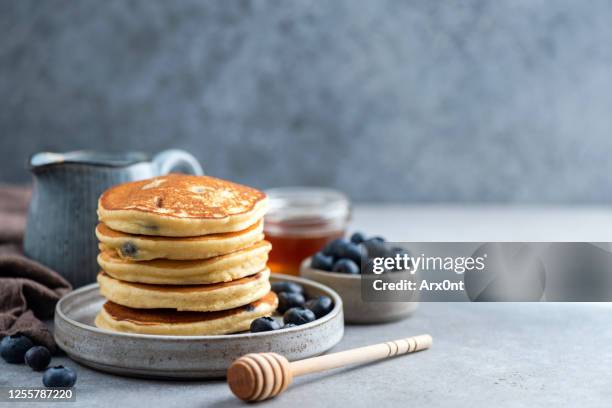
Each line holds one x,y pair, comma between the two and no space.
264,324
59,376
17,349
38,358
13,348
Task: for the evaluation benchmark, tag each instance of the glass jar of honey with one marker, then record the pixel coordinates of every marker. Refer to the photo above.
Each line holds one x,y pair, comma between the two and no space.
300,221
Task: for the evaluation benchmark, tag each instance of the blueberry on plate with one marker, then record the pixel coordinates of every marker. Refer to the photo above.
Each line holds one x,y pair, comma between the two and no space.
13,348
335,248
322,262
287,300
263,324
320,306
298,316
357,238
38,358
286,286
59,376
346,266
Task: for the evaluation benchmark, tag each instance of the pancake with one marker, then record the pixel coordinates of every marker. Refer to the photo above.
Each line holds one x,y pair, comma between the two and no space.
180,205
199,298
224,268
144,247
170,322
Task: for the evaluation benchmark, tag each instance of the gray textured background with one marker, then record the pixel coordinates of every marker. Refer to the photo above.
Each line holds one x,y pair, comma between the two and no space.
505,101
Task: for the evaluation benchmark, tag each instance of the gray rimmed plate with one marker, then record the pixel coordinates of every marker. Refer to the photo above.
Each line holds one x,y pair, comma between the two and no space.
156,356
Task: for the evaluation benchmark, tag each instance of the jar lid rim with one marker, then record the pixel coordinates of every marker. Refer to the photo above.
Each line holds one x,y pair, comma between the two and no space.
294,203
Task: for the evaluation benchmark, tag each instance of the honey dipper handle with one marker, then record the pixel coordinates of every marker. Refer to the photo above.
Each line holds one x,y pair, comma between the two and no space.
361,355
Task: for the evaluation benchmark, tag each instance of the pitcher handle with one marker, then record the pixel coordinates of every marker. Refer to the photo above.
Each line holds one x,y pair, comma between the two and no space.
176,159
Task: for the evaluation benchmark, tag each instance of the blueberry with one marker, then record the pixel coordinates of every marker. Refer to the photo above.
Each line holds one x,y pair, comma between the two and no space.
392,252
369,267
341,248
59,376
298,316
353,252
357,238
264,324
285,286
346,266
398,250
38,358
13,348
287,300
322,262
335,248
289,325
320,306
129,249
375,248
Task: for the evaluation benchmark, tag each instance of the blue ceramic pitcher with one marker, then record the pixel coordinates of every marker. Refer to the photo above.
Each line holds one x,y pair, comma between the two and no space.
62,215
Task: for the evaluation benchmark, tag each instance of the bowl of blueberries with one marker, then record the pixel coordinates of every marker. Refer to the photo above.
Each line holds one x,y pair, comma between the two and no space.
338,265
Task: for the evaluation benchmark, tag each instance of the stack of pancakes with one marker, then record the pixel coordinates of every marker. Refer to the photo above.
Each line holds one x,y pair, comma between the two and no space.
183,255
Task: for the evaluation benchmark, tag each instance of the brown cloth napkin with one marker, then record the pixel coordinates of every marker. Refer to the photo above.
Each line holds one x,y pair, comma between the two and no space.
28,290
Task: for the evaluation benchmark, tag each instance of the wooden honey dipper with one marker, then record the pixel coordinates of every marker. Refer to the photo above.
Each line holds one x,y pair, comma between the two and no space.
259,376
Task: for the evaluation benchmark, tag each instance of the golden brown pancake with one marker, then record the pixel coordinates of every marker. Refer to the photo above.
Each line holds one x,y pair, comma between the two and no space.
223,268
170,322
180,205
145,247
199,298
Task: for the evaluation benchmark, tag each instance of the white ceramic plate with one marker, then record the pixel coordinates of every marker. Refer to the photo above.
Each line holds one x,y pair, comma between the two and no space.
157,356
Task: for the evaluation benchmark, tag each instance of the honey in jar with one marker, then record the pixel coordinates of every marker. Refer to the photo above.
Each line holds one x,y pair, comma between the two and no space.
300,222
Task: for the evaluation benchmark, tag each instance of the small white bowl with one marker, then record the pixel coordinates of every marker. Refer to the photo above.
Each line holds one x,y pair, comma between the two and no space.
357,311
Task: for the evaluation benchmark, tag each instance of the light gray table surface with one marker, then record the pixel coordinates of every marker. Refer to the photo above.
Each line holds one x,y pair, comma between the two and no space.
484,354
